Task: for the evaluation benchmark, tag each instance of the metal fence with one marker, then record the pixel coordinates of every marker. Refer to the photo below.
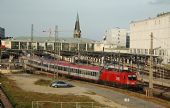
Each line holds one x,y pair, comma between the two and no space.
51,104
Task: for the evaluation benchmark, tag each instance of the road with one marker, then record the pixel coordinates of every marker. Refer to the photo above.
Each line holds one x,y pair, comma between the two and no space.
122,98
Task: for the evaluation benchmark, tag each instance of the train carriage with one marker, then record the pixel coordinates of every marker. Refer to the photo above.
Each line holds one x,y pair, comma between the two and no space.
112,75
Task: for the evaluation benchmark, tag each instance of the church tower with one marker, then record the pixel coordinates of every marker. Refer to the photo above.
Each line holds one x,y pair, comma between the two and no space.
77,31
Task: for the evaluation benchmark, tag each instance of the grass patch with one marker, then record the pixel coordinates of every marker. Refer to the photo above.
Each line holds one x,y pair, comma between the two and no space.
23,99
43,82
90,92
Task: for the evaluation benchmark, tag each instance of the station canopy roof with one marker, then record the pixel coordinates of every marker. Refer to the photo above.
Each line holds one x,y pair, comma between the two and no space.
52,39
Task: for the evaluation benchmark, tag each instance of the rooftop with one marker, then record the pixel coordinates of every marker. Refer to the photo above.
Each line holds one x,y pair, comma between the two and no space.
52,39
158,16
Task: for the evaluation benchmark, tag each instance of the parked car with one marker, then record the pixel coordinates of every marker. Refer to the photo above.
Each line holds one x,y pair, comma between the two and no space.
57,84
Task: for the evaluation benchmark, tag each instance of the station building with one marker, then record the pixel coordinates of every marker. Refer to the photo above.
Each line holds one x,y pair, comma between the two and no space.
140,38
43,43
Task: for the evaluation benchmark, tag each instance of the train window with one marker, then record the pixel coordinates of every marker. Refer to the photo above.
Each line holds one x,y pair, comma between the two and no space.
78,71
71,70
74,70
110,69
68,69
84,72
92,74
81,71
132,77
59,68
56,67
51,66
65,69
95,74
115,69
88,72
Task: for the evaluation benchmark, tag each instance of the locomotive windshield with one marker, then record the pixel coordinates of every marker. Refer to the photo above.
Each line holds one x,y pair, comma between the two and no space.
132,77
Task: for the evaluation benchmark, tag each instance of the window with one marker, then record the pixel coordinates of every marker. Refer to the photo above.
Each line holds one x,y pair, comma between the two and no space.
74,70
71,69
59,68
131,77
79,72
94,74
146,51
51,66
65,68
91,73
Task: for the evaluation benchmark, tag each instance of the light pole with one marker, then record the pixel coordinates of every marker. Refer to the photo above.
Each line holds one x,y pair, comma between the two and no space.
151,66
32,31
55,50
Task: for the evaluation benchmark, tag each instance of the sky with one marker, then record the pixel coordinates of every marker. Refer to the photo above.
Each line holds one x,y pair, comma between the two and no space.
96,16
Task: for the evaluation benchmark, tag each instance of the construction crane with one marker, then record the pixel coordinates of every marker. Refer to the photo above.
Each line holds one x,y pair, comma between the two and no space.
50,32
55,32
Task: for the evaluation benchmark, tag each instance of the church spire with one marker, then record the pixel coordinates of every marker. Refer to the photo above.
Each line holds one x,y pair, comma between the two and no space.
77,31
77,17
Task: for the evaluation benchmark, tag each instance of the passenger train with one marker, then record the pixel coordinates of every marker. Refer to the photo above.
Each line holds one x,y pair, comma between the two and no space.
108,74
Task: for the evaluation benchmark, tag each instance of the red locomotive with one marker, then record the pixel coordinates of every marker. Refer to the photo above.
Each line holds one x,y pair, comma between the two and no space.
109,74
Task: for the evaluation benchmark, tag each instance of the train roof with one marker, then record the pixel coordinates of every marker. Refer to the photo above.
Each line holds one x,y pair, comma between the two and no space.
82,66
65,63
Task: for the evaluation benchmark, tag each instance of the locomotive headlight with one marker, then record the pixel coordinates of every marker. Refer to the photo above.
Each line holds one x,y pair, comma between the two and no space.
132,83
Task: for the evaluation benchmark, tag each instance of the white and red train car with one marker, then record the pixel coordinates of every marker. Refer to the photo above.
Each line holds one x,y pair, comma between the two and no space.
87,72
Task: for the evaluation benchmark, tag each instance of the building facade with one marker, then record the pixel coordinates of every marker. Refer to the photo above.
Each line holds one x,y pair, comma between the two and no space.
116,38
140,36
2,33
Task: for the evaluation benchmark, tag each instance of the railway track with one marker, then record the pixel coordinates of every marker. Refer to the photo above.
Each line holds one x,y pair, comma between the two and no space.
158,71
